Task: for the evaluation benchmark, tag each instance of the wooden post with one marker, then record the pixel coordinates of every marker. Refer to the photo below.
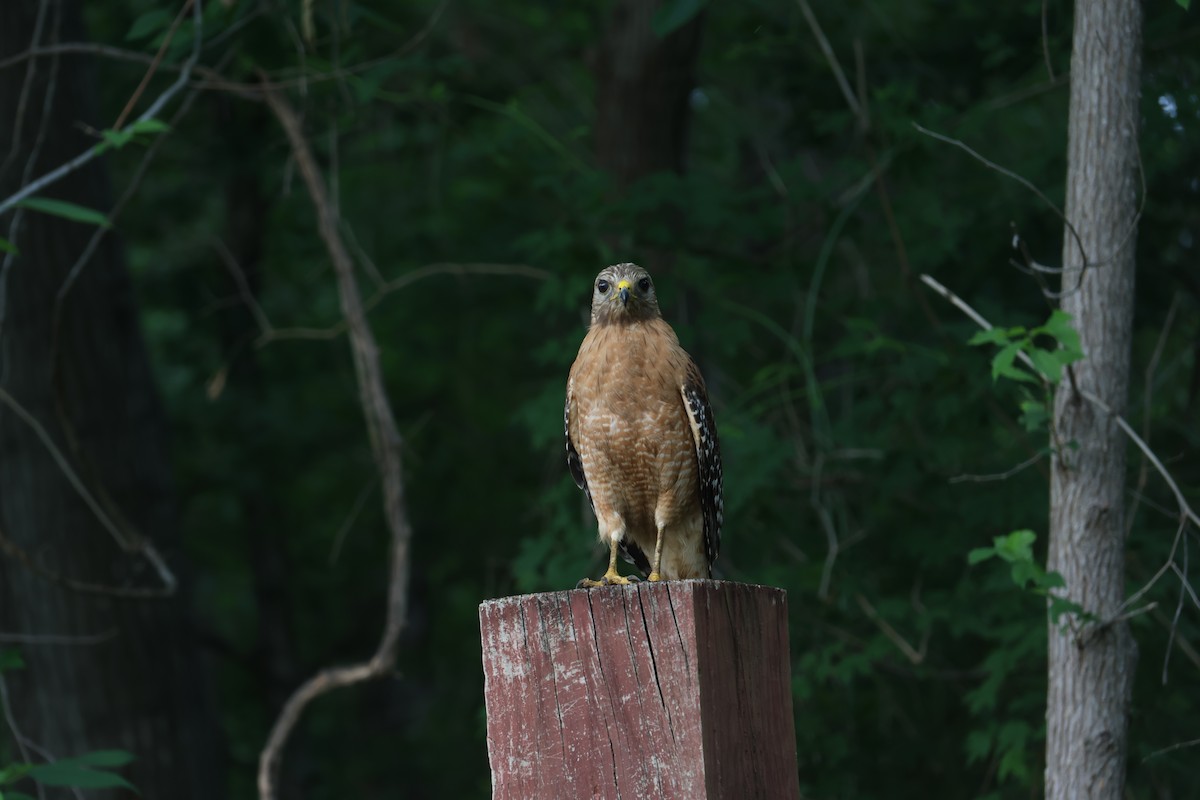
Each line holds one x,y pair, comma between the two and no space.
680,689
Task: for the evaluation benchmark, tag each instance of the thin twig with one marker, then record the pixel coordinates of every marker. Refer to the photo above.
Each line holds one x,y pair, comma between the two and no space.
1147,397
838,74
154,64
339,538
1000,476
1008,173
11,549
123,540
396,284
60,172
1185,510
55,639
1046,42
17,736
244,291
385,445
1145,448
1165,750
915,656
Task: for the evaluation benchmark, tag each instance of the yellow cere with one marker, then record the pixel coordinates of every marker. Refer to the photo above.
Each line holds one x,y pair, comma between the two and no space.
622,285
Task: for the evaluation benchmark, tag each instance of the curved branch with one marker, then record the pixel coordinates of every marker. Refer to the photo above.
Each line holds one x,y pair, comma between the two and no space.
385,446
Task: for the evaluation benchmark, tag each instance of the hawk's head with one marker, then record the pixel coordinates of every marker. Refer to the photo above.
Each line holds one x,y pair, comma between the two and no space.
623,293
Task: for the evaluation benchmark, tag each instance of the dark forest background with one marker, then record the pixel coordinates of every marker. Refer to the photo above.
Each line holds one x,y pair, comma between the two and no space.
486,159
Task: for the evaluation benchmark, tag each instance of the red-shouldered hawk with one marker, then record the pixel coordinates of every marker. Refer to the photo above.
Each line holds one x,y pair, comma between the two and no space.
641,440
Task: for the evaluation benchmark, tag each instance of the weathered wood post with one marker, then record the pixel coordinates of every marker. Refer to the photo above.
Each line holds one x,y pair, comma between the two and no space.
679,689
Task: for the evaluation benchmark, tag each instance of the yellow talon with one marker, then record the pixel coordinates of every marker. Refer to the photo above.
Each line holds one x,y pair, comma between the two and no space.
654,576
611,577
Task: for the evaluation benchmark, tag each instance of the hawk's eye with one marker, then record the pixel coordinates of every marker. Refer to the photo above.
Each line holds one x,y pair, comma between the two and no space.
602,286
644,284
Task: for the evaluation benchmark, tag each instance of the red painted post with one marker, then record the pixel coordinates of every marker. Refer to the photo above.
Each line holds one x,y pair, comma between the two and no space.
679,689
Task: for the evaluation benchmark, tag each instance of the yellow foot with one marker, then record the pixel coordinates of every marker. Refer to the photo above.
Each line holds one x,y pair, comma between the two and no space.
654,576
611,578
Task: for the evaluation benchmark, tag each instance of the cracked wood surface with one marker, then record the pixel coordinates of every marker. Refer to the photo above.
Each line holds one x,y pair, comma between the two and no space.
678,689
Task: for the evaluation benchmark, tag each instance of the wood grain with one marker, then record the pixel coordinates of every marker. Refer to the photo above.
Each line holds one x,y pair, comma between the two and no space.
678,689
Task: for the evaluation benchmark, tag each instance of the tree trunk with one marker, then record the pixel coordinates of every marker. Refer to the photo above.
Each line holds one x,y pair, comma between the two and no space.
137,689
643,84
1091,663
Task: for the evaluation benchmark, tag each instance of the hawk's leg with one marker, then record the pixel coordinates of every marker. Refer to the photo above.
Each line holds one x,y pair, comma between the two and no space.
655,575
611,578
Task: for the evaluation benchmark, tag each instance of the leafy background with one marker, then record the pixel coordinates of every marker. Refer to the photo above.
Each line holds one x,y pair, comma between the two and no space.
459,138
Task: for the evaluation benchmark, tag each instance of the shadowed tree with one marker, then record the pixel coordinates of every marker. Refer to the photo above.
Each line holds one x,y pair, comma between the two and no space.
82,376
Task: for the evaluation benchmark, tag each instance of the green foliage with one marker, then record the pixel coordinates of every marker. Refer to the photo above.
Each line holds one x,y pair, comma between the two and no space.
66,210
783,254
115,140
87,771
675,14
1048,362
1017,550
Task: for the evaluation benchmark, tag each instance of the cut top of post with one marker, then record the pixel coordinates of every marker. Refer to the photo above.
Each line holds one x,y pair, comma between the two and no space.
673,689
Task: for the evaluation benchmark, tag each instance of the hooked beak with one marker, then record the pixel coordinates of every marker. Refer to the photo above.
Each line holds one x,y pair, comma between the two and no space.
623,290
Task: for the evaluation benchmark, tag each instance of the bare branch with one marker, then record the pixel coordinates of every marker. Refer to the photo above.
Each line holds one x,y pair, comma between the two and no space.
1000,476
55,639
1145,448
1010,174
915,655
838,74
385,445
1185,510
60,172
17,736
1172,748
395,285
1147,396
154,64
127,542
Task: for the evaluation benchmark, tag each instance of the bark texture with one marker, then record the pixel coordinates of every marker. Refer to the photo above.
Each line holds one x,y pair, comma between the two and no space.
138,688
675,689
1091,664
643,84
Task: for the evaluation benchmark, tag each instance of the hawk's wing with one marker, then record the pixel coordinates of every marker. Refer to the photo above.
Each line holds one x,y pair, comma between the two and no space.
629,551
574,462
708,459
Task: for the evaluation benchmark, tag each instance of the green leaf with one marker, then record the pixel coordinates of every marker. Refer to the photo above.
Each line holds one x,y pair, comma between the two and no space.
1053,580
7,246
61,208
104,758
1016,546
1048,363
67,772
675,15
115,139
13,773
990,336
1184,4
1002,364
150,125
1061,605
1033,415
980,554
149,23
1025,573
1059,326
10,659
